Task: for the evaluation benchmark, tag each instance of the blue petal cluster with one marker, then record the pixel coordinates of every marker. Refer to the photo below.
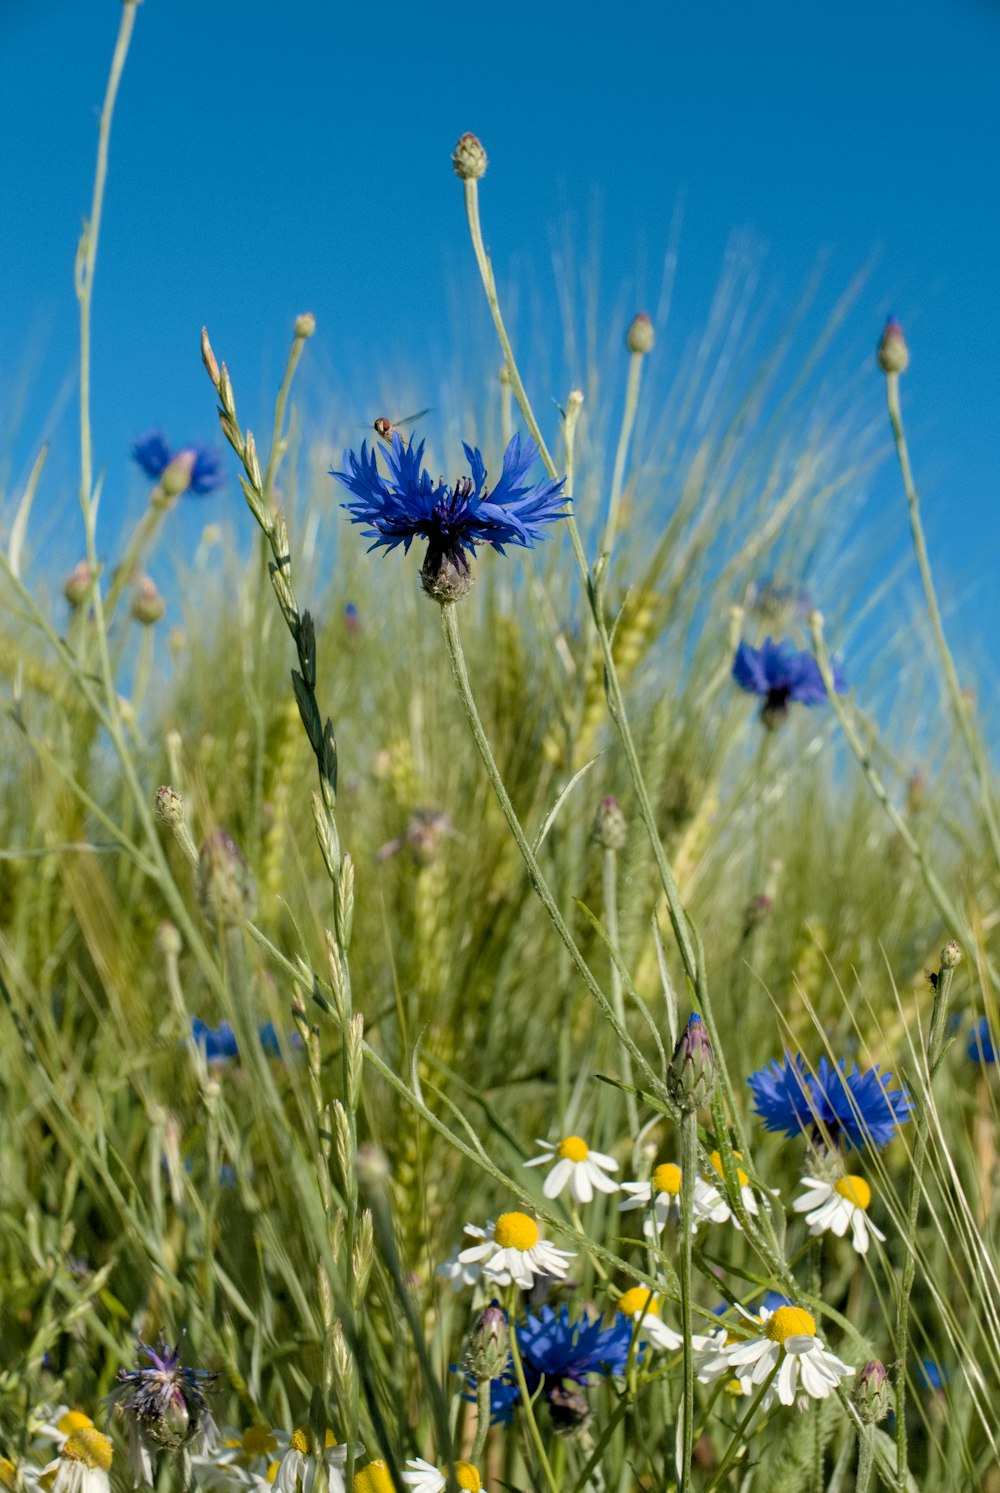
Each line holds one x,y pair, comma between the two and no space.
857,1107
154,455
554,1348
408,505
780,675
982,1048
220,1045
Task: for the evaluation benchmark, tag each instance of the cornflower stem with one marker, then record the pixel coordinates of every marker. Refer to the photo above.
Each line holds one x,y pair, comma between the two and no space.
141,538
621,454
960,706
866,1459
484,1409
456,656
935,1048
687,938
529,1409
944,903
689,1171
609,888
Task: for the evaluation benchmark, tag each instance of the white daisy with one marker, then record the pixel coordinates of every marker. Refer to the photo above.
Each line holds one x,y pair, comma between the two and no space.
789,1344
297,1469
58,1424
578,1165
424,1477
836,1206
664,1192
82,1465
242,1459
715,1208
712,1358
513,1250
459,1273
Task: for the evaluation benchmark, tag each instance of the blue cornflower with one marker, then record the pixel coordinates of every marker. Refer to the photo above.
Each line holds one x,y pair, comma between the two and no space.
982,1048
408,505
858,1107
556,1348
163,1407
200,471
220,1045
780,675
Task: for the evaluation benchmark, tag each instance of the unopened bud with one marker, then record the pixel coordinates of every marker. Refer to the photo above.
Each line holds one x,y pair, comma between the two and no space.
893,354
691,1076
169,805
871,1394
176,477
951,955
469,157
610,829
148,606
208,358
640,335
305,325
226,887
757,912
76,586
169,940
488,1351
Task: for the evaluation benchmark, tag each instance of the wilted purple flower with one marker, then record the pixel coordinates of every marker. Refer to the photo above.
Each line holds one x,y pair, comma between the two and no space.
202,464
163,1407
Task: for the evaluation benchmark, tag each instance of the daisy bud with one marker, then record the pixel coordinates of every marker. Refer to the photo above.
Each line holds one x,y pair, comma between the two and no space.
610,829
305,325
640,335
76,586
148,605
893,354
469,157
871,1393
208,358
226,889
488,1353
691,1076
951,955
169,805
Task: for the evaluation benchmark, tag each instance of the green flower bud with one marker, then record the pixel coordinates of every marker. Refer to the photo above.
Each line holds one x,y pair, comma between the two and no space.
640,335
488,1352
871,1393
610,829
148,606
893,354
951,955
226,889
691,1075
76,586
469,157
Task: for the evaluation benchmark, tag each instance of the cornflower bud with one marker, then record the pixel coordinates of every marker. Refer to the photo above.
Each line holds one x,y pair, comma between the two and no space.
226,887
893,354
488,1351
169,805
305,325
469,157
951,955
610,830
148,606
691,1075
76,586
640,335
177,475
871,1394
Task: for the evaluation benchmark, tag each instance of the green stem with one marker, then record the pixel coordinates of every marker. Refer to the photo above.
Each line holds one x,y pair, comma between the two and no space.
689,1172
935,1048
449,620
484,1409
866,1459
609,887
958,700
621,455
526,1405
739,1436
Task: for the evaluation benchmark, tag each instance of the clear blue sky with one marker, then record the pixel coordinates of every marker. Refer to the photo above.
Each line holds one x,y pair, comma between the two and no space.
269,158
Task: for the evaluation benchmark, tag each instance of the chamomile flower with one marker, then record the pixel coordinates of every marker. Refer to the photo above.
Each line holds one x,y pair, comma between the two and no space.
663,1192
514,1251
58,1424
715,1208
643,1307
835,1207
297,1468
83,1464
243,1458
788,1343
375,1478
459,1273
424,1477
578,1165
712,1358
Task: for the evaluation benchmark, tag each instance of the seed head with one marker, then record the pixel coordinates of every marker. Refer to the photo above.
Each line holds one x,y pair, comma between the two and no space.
469,157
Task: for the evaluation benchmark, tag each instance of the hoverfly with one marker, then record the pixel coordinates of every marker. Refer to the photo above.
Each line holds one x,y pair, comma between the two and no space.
385,428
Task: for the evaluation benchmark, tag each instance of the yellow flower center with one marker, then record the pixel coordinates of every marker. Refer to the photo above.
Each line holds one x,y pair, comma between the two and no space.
573,1149
741,1175
272,1471
516,1231
637,1300
89,1446
258,1441
667,1178
73,1420
855,1190
375,1478
300,1441
789,1321
467,1477
733,1387
329,1440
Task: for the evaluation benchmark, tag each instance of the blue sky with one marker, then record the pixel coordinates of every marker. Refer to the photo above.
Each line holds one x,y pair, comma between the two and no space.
273,158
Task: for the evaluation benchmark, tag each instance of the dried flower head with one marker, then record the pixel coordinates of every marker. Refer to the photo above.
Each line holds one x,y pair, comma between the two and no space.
163,1407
